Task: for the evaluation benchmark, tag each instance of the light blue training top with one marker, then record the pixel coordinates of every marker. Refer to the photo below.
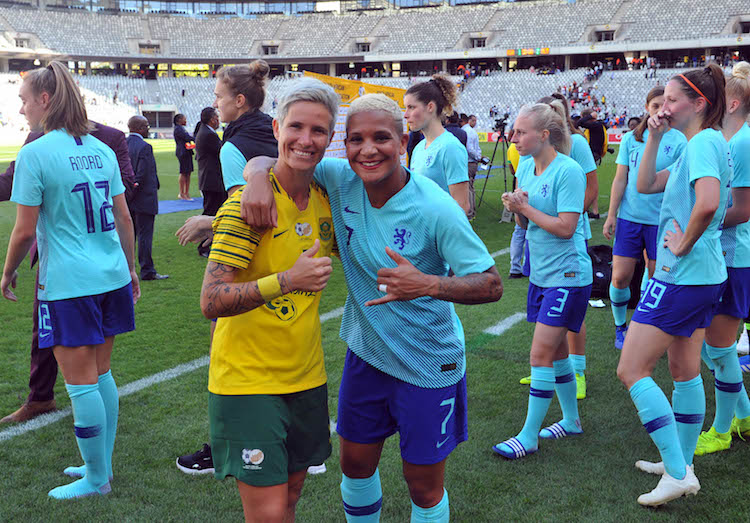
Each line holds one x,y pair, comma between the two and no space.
72,181
419,341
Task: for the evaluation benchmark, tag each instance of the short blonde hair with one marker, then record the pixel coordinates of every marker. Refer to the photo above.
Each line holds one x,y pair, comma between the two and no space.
552,118
378,102
307,89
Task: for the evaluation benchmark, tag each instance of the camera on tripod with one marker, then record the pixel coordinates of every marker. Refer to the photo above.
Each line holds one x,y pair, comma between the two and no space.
501,123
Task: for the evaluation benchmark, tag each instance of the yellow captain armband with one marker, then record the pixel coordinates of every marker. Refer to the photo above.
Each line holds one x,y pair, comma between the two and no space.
269,287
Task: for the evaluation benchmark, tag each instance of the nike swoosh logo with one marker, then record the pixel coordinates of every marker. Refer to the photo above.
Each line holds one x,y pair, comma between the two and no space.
280,233
347,209
441,443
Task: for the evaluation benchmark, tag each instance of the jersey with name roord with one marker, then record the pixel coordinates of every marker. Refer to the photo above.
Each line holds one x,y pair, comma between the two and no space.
735,241
706,155
418,341
644,208
275,348
581,153
555,261
445,161
72,181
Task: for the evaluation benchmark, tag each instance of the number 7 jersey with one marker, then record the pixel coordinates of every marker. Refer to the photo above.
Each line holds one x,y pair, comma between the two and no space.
72,181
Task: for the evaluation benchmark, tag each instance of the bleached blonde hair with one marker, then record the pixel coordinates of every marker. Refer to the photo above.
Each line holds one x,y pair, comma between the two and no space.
378,102
551,117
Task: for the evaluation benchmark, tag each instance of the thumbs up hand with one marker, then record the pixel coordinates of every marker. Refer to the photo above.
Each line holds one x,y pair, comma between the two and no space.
309,274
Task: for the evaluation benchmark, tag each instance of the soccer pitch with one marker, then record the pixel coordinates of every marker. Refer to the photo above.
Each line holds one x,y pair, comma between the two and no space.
589,478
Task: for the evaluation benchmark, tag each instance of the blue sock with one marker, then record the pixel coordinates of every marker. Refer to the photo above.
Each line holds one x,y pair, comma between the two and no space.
565,387
440,513
689,405
658,420
619,299
579,363
706,358
362,498
742,410
111,399
728,384
540,396
89,419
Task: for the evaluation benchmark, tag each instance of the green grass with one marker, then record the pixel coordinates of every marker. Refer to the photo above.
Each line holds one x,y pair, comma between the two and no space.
588,478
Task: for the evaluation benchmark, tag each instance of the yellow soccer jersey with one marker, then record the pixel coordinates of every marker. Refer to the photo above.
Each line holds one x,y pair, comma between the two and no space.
513,157
275,348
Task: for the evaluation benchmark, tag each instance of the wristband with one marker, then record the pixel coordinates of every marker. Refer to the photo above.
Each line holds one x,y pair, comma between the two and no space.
269,287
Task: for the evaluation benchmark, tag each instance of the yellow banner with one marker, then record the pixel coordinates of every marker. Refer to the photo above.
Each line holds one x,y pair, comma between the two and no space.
348,90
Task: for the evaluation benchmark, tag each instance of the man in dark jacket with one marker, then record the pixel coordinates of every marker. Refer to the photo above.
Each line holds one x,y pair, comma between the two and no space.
43,371
452,126
207,147
184,154
145,204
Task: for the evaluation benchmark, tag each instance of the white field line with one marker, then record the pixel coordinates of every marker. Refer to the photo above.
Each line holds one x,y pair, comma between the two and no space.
503,325
130,388
169,374
500,252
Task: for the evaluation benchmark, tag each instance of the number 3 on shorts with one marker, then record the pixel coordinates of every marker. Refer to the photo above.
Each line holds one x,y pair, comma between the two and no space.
561,300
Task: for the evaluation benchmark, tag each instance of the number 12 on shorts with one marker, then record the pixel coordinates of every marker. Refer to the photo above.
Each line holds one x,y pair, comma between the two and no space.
450,402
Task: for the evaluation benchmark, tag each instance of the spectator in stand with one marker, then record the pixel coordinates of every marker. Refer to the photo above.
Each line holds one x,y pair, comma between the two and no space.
184,155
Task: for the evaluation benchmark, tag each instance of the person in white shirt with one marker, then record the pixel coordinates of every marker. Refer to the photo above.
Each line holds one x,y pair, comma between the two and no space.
475,156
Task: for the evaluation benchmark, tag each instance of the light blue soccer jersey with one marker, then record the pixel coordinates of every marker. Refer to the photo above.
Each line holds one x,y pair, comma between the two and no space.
419,341
735,241
232,164
581,153
706,155
72,181
644,208
556,262
445,161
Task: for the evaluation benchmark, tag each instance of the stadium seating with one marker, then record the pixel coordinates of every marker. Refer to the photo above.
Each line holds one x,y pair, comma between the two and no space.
507,25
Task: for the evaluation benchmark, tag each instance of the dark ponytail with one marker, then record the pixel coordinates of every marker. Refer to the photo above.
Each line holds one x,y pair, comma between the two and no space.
440,90
711,83
655,92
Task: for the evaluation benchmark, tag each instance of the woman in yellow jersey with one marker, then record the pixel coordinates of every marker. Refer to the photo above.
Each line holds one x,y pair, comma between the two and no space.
268,404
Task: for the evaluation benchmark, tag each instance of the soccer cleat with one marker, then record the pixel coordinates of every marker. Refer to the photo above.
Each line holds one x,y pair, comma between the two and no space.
670,488
557,431
740,427
743,345
316,469
199,462
580,386
745,363
650,467
525,381
711,441
620,332
514,449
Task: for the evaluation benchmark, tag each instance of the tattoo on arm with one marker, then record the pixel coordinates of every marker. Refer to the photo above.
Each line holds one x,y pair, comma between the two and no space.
471,289
221,297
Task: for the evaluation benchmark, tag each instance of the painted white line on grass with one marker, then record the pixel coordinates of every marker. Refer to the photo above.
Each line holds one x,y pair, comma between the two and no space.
500,252
335,313
132,388
505,324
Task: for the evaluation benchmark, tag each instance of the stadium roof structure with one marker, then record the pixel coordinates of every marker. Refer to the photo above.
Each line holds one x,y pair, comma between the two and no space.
374,32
